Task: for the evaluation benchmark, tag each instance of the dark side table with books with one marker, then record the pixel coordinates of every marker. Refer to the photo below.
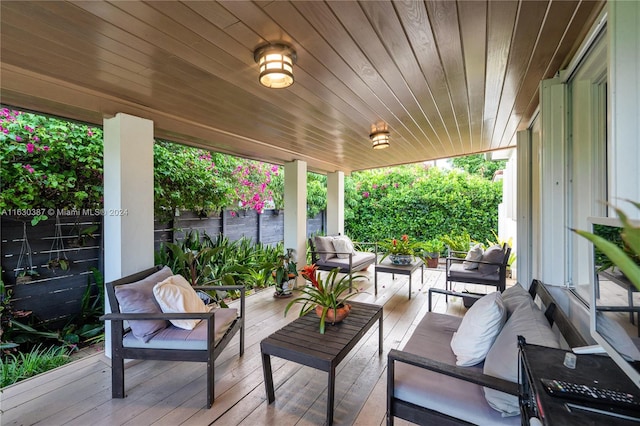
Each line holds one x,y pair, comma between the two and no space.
605,395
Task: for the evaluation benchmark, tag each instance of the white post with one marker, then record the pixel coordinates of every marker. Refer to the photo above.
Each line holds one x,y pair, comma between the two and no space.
128,199
295,210
335,203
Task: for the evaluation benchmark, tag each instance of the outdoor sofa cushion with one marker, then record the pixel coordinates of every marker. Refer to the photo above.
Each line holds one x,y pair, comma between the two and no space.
324,244
457,398
473,255
493,254
178,338
138,298
502,360
360,260
175,295
457,270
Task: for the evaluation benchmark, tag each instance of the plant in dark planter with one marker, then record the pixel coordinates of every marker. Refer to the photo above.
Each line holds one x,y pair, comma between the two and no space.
57,255
284,274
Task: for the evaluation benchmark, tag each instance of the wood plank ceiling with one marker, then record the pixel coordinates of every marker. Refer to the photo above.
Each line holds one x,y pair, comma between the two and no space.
448,77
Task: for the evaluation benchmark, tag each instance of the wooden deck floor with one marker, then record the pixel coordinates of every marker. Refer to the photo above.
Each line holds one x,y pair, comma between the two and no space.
173,393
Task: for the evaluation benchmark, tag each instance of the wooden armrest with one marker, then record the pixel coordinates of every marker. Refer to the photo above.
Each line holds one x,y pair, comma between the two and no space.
461,373
150,316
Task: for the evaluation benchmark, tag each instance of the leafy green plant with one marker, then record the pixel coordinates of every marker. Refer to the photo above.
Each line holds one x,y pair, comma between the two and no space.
86,328
285,270
328,294
624,258
20,366
431,248
401,246
460,242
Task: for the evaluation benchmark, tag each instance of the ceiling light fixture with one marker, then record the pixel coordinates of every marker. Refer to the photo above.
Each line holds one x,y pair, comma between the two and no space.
276,65
380,139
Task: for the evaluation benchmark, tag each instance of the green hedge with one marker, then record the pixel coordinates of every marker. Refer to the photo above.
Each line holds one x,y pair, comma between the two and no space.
423,203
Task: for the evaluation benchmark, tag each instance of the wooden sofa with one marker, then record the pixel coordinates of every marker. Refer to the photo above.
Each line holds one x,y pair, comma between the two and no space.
348,262
202,344
425,386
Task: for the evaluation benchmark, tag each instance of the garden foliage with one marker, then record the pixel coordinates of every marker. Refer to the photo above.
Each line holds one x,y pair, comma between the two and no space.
424,203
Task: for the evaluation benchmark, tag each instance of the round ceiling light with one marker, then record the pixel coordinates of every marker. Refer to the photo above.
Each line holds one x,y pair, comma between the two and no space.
276,65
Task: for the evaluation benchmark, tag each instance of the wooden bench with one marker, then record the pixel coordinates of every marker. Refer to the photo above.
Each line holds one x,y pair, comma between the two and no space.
432,335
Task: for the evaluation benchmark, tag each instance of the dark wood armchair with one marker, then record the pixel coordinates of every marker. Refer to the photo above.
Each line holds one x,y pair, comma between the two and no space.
488,273
202,344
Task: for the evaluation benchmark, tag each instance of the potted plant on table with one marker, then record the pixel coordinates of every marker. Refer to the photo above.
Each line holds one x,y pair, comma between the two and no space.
430,253
401,251
284,274
328,298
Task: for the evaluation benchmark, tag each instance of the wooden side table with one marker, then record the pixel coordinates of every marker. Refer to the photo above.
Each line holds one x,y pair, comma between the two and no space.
390,268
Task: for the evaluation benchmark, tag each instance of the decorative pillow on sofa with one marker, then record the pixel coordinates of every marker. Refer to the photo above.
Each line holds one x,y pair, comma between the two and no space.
175,295
472,256
502,360
343,245
324,244
514,297
478,329
493,254
137,298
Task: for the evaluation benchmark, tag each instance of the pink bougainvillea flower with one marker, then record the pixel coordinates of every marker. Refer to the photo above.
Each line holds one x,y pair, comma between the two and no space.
89,132
29,129
233,214
395,185
365,194
36,139
30,147
375,186
28,168
45,148
19,138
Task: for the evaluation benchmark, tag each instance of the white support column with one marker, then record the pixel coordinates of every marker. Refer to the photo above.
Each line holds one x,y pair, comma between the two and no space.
128,199
335,203
624,84
553,258
524,253
295,210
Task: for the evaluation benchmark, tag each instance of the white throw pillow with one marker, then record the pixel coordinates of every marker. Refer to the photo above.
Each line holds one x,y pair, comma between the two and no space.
343,245
475,254
175,295
478,329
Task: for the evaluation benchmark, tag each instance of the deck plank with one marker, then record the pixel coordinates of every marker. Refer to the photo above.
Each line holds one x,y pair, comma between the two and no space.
173,393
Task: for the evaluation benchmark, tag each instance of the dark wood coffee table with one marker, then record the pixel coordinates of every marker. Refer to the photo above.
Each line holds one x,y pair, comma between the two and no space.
388,267
300,341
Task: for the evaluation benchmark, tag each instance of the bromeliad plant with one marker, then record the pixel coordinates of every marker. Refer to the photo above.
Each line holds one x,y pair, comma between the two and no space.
402,246
328,294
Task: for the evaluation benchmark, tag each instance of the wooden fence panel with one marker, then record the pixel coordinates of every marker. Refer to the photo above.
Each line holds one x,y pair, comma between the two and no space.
54,295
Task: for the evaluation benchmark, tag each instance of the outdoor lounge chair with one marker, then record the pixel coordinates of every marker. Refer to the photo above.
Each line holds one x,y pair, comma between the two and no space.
149,336
491,272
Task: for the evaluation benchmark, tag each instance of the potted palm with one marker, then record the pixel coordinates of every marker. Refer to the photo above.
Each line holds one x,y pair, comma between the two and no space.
328,298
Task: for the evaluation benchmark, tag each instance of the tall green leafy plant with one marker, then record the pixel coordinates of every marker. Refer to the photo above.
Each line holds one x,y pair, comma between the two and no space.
624,258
